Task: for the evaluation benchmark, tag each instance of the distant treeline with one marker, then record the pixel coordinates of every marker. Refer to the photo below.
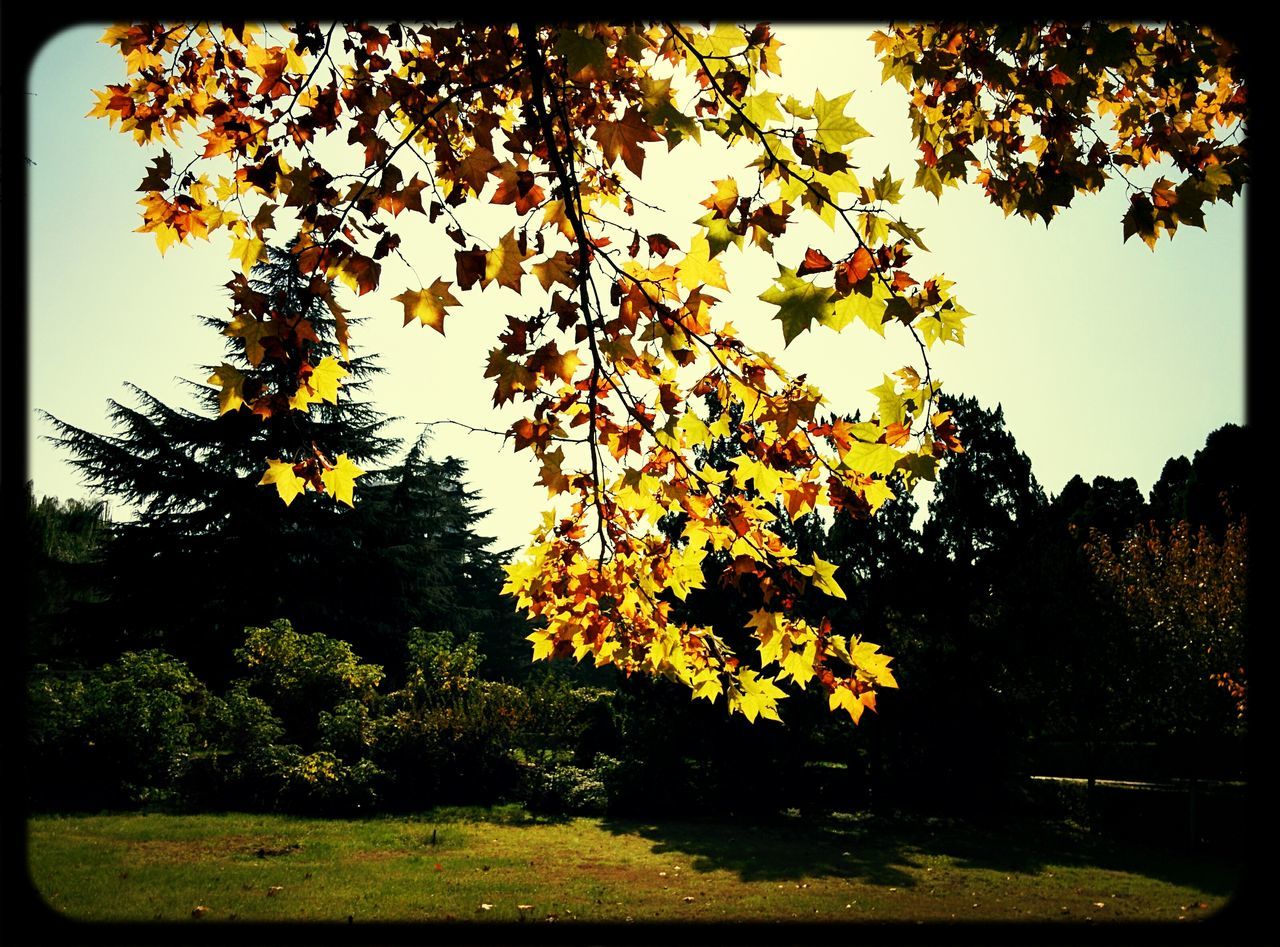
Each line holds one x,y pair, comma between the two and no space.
176,658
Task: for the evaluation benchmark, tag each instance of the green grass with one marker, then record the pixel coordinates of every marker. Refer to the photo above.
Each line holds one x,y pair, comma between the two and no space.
142,867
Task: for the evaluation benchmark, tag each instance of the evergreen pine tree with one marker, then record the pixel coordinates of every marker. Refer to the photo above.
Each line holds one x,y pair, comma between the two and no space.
211,552
63,540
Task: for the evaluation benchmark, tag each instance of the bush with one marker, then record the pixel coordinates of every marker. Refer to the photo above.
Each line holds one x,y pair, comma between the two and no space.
301,674
122,734
562,789
447,736
569,717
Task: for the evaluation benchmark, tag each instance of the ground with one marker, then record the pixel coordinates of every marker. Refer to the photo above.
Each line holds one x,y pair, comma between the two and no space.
504,865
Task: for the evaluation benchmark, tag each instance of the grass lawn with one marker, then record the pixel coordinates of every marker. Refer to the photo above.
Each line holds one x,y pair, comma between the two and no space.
451,864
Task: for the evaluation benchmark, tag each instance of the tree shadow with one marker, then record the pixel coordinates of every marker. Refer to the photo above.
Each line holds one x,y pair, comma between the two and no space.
885,850
781,849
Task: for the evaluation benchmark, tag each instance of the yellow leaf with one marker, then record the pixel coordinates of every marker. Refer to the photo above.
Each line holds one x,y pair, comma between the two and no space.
844,697
870,459
340,479
686,571
891,409
755,696
769,630
249,251
326,377
428,305
232,382
253,330
824,577
320,385
798,663
503,263
287,483
543,644
876,493
698,269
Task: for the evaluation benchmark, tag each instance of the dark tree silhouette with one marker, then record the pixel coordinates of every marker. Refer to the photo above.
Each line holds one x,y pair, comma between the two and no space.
211,551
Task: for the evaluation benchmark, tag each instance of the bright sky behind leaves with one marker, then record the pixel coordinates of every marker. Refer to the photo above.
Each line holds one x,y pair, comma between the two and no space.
1107,358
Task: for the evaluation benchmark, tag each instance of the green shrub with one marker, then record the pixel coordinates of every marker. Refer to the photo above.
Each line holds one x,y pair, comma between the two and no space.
301,674
568,716
124,733
556,788
447,736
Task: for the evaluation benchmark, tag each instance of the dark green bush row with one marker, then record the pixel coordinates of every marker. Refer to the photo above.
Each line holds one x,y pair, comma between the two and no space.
307,727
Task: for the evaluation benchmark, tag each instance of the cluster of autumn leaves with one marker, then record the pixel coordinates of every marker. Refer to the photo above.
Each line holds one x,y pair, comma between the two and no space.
1026,100
611,358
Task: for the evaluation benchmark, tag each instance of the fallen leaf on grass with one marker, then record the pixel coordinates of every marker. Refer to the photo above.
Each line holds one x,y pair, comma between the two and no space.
485,907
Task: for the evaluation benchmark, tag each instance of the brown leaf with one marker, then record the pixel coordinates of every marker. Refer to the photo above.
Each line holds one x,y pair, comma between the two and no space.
623,139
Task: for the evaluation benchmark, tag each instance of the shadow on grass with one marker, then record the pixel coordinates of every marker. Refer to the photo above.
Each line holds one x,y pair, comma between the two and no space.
891,850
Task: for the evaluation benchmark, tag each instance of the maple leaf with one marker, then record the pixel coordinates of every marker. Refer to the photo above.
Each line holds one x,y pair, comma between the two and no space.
815,261
824,577
585,56
428,305
844,697
835,129
503,263
623,139
551,475
473,170
157,178
512,376
725,198
762,108
548,362
287,483
244,325
698,269
340,479
321,384
758,696
558,268
517,186
686,573
800,303
871,459
231,380
250,251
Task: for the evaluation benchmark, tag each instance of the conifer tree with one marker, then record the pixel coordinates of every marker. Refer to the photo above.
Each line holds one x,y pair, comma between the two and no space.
212,550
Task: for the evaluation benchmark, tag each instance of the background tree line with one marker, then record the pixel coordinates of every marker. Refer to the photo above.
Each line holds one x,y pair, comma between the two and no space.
1092,633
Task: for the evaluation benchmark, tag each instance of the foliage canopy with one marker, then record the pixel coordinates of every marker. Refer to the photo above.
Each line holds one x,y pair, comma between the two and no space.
623,331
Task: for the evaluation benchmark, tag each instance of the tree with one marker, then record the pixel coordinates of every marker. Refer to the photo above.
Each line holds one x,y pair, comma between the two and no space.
1111,506
986,493
626,327
964,649
211,551
1181,592
63,541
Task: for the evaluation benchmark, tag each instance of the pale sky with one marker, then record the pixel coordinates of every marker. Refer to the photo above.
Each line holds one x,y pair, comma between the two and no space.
1108,358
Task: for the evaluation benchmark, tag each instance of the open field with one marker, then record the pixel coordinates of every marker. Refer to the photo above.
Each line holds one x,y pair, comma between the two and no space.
448,864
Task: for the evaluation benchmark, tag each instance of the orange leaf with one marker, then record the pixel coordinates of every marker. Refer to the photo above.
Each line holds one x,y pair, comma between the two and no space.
815,261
